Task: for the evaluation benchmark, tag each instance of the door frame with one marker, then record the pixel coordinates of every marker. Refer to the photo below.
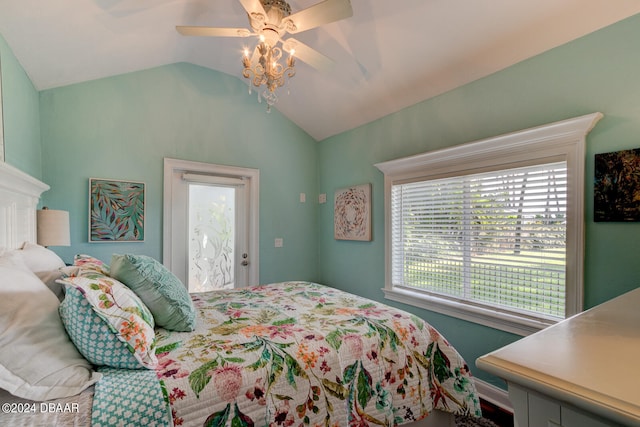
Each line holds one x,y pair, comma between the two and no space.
172,166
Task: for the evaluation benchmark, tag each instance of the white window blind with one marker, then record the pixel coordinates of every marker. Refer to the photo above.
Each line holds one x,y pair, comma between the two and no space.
494,239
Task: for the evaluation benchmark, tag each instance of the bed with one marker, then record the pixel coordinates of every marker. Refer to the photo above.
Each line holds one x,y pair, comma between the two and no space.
139,350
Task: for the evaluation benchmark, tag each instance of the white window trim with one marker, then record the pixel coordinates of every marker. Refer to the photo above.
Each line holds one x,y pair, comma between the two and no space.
560,141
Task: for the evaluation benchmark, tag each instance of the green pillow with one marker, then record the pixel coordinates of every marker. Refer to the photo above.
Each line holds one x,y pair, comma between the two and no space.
162,292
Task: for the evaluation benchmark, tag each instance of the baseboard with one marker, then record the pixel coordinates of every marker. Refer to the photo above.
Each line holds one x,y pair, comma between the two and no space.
494,395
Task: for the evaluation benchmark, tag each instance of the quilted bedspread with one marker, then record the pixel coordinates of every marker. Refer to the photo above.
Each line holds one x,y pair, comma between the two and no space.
299,353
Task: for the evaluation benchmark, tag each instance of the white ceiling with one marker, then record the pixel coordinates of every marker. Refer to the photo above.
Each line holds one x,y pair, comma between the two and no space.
389,55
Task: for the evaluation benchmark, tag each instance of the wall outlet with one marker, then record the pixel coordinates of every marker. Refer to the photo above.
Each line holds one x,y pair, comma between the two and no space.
322,198
279,242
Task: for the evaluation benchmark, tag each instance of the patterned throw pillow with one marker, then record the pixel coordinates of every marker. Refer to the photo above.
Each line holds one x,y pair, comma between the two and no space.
161,291
88,264
91,335
125,316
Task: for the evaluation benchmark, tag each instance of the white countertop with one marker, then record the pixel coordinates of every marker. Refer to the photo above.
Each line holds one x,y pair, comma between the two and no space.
591,360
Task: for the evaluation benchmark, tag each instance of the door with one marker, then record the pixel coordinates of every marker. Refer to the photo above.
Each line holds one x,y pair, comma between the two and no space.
210,225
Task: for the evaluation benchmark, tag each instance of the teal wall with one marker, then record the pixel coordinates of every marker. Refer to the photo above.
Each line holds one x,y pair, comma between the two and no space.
122,127
20,107
598,72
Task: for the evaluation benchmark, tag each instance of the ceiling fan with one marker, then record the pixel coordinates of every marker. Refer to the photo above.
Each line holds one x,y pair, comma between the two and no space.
270,21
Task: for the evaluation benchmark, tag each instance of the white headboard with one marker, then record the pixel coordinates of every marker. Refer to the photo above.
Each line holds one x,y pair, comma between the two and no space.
19,196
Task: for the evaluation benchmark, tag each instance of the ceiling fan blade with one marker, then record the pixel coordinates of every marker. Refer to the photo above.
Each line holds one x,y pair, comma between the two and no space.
253,6
307,54
320,14
213,32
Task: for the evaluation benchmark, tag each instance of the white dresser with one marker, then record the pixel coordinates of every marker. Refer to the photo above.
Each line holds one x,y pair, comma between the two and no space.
581,372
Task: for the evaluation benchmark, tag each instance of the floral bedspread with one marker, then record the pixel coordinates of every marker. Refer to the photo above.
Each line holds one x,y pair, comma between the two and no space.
299,353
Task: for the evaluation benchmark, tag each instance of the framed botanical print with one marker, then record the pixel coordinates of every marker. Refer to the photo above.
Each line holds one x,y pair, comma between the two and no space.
116,210
352,213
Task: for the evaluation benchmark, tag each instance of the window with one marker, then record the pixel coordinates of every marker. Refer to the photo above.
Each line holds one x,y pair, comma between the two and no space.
491,231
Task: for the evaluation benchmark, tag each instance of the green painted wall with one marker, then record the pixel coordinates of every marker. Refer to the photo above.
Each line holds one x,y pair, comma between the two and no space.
122,127
20,107
598,72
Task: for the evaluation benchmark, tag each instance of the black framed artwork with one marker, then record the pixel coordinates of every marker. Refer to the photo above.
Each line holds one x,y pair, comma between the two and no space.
617,186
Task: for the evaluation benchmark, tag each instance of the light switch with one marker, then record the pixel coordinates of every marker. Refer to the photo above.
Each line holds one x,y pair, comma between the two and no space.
279,242
322,198
303,198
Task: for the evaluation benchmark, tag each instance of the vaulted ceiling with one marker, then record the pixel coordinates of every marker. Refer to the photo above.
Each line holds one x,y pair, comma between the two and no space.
387,56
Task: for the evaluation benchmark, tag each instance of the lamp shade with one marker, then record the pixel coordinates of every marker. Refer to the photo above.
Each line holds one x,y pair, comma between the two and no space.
53,228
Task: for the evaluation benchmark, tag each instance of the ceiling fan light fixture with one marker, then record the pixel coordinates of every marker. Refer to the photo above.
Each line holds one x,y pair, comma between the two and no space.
271,20
265,69
276,10
269,36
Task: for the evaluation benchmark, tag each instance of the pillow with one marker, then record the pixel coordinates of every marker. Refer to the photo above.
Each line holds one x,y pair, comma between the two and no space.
12,258
37,359
161,291
126,317
88,264
94,337
38,258
49,278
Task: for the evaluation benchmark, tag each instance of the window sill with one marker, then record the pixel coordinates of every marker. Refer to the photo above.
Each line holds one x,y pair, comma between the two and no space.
494,319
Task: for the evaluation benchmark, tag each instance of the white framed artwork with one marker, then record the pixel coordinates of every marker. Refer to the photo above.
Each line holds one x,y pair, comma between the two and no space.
116,210
352,213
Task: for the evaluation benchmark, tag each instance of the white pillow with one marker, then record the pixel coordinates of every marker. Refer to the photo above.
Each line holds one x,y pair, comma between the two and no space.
49,278
12,258
38,258
38,361
16,257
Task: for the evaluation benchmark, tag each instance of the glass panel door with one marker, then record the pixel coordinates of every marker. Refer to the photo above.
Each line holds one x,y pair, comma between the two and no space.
211,224
212,237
